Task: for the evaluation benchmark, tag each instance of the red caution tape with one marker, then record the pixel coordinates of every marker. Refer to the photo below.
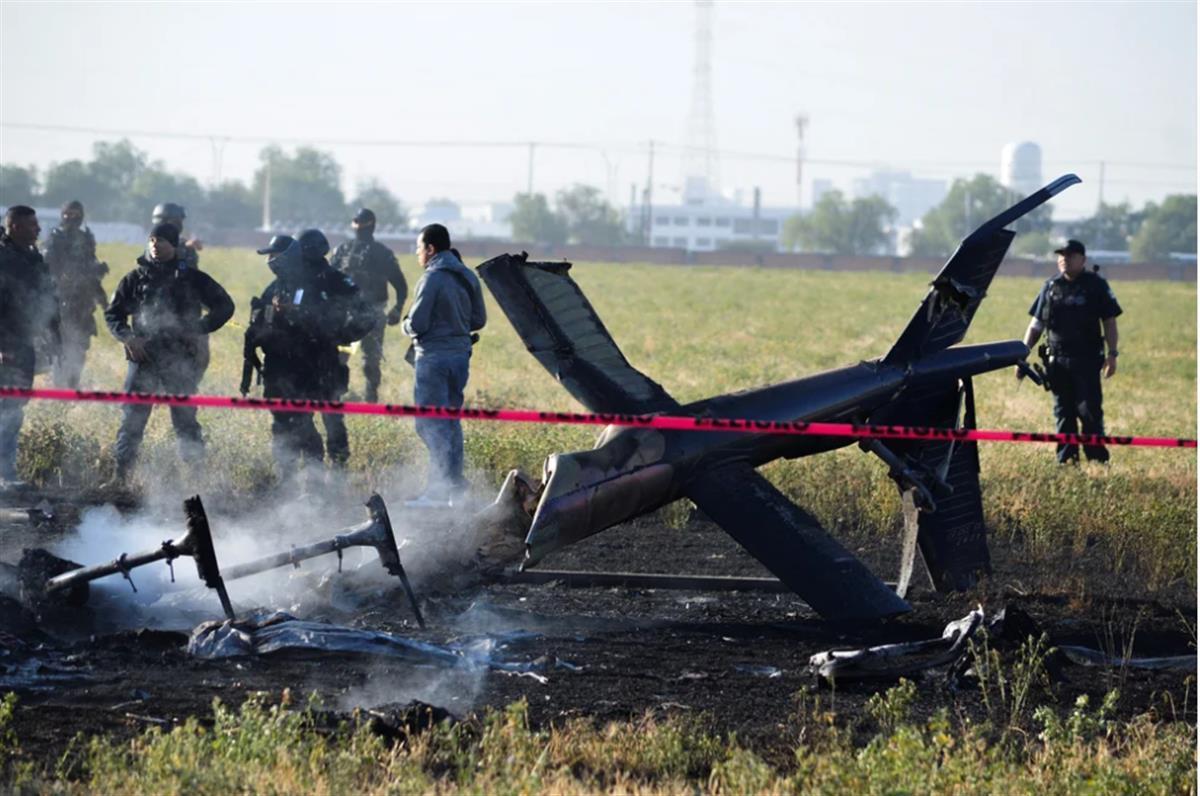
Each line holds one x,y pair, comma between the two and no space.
666,422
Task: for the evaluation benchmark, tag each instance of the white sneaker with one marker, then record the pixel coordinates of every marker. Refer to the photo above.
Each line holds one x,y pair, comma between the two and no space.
427,502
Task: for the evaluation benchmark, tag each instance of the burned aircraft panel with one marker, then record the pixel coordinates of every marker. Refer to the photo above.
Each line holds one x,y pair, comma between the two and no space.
561,329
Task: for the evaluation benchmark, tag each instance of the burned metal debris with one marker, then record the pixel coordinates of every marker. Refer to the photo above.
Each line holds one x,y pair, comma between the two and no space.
1008,628
47,580
281,633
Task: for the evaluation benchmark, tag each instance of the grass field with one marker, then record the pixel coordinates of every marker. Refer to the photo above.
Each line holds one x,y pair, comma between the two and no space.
702,331
698,331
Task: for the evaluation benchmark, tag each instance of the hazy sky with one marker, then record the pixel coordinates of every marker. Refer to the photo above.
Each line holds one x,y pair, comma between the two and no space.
936,88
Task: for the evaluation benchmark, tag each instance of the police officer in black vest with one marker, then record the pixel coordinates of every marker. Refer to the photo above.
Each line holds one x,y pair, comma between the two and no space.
373,267
71,258
162,311
298,323
1078,312
28,314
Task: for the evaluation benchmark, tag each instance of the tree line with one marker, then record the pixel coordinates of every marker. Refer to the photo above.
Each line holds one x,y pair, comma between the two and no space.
122,183
837,225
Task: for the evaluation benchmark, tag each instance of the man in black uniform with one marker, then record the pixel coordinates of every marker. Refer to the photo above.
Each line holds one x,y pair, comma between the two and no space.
1073,308
161,312
28,311
298,322
71,258
373,267
188,254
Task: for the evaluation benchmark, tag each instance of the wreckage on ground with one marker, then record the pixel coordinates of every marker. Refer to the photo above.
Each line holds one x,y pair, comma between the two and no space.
924,380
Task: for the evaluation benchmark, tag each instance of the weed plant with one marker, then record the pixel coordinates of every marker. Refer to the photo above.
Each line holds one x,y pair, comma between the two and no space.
273,749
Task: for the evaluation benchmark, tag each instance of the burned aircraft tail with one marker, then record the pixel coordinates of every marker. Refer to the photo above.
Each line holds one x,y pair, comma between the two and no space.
957,291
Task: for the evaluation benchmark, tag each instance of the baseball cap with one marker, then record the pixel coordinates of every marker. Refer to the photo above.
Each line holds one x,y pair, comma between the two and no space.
364,216
1072,247
278,245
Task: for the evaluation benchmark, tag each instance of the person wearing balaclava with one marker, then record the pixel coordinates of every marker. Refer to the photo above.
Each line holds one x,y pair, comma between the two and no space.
299,321
373,267
71,258
161,312
28,316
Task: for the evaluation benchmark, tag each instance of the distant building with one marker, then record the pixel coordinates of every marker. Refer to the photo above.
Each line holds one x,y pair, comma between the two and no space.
705,223
820,187
912,197
482,220
1021,167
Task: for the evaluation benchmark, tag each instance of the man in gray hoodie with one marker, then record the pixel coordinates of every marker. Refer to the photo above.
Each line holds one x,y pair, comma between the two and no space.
446,311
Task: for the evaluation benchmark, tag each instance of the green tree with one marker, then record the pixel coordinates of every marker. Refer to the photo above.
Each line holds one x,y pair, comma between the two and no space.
533,220
589,218
1169,227
1111,228
1032,244
105,184
18,185
305,187
154,185
374,195
231,204
968,204
838,226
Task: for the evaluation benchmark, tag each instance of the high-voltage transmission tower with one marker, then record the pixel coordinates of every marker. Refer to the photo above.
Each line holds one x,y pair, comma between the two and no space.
700,159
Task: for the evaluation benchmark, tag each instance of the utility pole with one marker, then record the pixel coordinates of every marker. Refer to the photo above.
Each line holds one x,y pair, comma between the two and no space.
529,179
1101,181
266,218
648,197
801,128
756,223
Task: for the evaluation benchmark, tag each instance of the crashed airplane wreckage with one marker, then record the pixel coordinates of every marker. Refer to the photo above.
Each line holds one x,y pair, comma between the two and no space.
924,380
197,543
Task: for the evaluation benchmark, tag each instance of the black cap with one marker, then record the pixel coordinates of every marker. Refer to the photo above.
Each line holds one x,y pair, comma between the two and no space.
167,232
313,243
1072,247
278,245
364,216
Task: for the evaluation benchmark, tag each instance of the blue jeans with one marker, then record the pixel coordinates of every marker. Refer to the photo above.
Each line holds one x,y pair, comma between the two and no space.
12,412
439,381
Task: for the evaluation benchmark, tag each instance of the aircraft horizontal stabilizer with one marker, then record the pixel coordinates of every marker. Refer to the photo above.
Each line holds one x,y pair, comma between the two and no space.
561,329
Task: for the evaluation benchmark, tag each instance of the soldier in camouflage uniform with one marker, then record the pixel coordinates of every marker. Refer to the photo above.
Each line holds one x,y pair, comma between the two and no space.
373,267
28,313
71,258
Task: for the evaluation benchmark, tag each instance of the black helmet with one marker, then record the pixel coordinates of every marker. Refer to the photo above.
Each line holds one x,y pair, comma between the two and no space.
278,245
168,211
313,244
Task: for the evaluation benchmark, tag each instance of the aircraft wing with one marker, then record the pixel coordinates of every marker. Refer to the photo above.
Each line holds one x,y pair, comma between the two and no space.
563,332
792,544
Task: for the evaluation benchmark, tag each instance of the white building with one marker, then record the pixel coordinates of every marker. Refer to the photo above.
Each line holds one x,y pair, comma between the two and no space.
481,220
706,222
912,196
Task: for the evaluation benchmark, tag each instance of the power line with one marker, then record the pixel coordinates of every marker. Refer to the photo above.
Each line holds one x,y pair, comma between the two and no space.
529,146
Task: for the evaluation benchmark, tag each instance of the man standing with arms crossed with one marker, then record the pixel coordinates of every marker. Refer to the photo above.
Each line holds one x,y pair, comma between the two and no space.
446,312
373,267
1073,308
